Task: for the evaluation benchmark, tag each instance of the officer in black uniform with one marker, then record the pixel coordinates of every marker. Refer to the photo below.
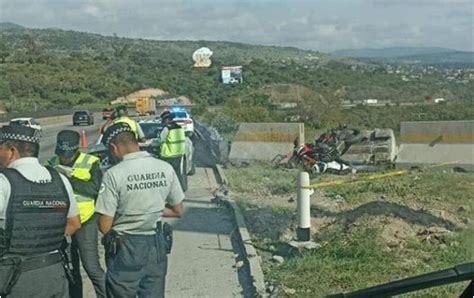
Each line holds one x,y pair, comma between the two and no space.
134,196
37,209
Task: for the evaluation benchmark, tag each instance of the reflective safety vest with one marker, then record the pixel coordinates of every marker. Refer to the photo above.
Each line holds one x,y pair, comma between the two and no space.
174,145
132,123
81,170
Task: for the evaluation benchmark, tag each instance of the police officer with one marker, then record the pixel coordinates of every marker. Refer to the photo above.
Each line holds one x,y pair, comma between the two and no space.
121,116
135,194
173,142
37,208
85,176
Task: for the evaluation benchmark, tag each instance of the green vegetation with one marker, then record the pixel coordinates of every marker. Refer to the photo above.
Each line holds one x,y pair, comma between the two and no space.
370,233
53,69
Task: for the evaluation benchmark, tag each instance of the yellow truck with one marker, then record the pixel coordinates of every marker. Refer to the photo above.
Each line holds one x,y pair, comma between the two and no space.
145,106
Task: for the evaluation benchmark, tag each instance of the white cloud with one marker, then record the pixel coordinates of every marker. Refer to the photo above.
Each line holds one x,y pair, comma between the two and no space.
92,9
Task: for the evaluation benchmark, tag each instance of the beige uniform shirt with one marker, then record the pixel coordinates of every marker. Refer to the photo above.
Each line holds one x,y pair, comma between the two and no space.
135,192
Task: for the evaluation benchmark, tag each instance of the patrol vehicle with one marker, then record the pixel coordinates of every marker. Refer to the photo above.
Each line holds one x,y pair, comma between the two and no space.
152,129
26,121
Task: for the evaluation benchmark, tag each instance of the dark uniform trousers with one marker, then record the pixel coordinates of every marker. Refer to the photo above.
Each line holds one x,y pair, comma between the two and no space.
139,267
85,246
175,162
49,281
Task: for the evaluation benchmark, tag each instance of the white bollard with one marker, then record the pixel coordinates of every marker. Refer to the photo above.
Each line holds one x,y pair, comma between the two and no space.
303,207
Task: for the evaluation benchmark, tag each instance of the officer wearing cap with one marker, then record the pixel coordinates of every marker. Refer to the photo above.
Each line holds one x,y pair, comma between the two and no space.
173,142
121,116
135,194
85,176
37,209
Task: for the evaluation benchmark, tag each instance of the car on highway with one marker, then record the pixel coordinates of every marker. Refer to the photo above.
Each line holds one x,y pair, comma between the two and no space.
183,118
152,129
26,121
82,117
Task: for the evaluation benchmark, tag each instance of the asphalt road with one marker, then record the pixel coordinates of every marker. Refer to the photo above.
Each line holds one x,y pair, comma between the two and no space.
48,140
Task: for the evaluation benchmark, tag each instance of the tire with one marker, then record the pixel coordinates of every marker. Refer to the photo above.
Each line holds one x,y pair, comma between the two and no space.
183,177
193,168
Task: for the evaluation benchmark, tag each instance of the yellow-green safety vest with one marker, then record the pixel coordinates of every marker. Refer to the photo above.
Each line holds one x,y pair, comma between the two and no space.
81,170
174,145
132,123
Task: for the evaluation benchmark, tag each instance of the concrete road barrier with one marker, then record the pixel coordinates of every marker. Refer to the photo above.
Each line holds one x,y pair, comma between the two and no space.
262,141
434,142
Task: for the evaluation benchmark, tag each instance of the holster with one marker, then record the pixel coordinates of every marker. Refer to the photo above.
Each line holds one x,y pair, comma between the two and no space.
10,269
65,252
168,235
111,242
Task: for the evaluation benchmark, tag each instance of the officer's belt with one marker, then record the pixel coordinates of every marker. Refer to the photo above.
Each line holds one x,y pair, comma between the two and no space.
40,261
158,230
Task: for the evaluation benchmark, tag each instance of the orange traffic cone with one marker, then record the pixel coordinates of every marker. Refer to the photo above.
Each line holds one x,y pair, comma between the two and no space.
83,139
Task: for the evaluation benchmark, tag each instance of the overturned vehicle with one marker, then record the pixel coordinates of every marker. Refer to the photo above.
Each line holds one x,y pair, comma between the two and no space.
343,150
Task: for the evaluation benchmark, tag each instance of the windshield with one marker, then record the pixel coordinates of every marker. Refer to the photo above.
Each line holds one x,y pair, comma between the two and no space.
151,130
20,122
179,115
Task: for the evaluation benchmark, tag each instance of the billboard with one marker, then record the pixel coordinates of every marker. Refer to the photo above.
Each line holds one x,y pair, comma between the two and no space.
232,74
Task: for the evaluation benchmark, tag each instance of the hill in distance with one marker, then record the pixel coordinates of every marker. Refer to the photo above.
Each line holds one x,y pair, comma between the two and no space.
51,69
441,57
390,52
10,26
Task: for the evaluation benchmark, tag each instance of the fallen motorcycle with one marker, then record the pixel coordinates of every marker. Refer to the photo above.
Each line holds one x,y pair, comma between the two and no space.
326,154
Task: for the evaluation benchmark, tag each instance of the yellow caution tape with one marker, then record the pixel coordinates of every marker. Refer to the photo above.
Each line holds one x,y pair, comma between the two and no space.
369,177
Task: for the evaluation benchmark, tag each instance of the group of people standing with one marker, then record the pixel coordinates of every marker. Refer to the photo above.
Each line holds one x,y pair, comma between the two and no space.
69,199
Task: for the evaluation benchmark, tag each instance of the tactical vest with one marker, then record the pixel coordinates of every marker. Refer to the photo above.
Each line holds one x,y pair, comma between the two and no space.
174,145
36,215
132,123
81,170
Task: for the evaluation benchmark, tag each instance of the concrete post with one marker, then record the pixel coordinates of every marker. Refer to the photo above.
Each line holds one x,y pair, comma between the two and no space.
303,207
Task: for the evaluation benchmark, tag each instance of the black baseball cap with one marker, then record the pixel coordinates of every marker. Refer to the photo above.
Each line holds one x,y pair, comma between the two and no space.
67,143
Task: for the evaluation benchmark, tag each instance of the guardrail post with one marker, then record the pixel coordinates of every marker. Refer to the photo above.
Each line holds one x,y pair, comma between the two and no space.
303,206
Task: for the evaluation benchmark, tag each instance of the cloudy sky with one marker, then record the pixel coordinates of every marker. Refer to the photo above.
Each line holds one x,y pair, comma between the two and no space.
323,25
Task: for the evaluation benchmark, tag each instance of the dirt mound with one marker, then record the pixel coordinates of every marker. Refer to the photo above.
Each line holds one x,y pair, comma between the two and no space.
395,231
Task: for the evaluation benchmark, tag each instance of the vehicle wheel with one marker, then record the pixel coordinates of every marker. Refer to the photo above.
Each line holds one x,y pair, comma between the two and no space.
193,168
183,177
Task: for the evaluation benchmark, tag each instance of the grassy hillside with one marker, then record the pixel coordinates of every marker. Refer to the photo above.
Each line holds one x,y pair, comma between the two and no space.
55,68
